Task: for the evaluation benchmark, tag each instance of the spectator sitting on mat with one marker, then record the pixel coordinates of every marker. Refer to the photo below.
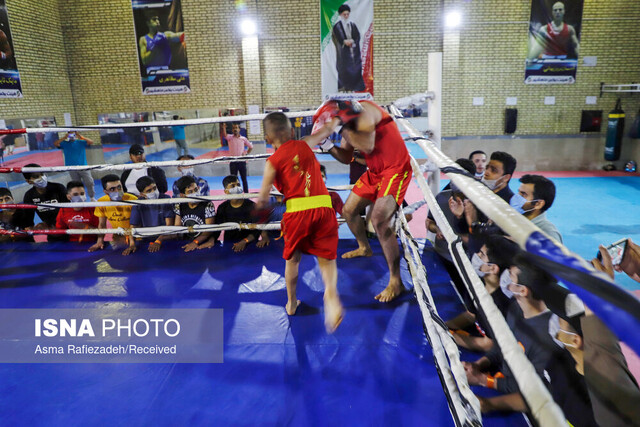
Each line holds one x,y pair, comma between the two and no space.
13,219
493,258
530,321
336,200
203,185
118,216
152,215
197,213
278,208
535,195
77,218
131,176
239,211
43,191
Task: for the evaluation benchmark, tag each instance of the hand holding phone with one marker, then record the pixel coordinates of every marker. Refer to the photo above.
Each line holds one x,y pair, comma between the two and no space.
616,251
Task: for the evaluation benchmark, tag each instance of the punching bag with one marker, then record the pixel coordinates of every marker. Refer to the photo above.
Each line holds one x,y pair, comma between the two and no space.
615,129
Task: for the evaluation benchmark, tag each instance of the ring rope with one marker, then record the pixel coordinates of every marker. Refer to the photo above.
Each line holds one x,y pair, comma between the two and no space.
452,372
542,405
158,123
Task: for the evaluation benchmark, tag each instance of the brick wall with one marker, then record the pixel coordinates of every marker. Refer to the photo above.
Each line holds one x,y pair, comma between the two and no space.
40,54
484,58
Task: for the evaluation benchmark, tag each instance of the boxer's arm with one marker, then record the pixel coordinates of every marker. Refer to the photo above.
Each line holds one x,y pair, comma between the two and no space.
145,54
322,134
268,177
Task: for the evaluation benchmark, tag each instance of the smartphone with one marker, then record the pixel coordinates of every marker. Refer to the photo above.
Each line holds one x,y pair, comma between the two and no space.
72,135
616,251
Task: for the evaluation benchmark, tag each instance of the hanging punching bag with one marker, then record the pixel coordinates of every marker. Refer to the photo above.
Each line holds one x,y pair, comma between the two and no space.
615,129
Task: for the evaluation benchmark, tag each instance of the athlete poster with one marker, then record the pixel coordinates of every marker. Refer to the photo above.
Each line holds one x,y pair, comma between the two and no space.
10,86
346,29
162,50
554,41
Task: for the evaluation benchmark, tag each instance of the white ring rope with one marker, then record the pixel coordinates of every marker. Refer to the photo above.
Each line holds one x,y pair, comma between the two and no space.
542,405
441,340
161,123
155,202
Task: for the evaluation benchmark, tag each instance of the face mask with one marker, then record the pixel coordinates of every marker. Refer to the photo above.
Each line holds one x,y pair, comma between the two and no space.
517,202
78,199
236,190
477,263
153,195
188,172
505,281
115,196
40,182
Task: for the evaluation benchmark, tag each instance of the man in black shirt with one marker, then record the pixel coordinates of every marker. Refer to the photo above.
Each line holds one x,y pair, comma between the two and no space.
44,191
189,214
13,219
236,210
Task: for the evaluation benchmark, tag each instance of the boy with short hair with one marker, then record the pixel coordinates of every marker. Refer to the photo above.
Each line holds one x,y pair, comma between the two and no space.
77,218
151,215
118,216
198,213
236,210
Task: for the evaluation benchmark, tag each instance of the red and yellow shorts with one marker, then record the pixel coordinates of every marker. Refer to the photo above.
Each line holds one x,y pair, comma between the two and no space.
311,230
374,186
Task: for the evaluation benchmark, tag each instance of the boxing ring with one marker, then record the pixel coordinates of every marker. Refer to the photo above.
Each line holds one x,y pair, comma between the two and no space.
386,364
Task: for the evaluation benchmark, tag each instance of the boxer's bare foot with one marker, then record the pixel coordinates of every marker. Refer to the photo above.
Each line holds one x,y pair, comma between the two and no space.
393,290
291,308
360,252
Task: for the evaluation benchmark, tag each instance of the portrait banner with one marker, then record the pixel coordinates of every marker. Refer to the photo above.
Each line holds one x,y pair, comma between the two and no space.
554,41
162,51
346,29
10,86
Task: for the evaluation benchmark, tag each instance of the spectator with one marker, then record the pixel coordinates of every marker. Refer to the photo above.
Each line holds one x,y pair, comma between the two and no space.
13,219
203,185
493,258
236,210
336,200
530,321
190,214
9,140
278,208
498,174
535,195
77,218
237,144
118,216
479,159
74,146
180,138
152,215
43,191
613,390
131,176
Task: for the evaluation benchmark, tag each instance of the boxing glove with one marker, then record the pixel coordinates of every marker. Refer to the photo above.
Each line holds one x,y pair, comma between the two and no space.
348,111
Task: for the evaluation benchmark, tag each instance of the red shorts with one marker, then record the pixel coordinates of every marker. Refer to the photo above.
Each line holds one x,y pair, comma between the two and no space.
313,231
374,186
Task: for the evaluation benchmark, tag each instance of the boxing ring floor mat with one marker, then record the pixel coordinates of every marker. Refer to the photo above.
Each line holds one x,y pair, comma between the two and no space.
377,369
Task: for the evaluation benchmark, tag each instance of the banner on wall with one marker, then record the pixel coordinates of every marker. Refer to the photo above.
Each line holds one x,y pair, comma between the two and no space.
10,86
346,29
554,41
162,52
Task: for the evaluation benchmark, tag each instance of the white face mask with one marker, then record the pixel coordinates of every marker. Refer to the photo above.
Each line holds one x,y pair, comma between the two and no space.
78,199
477,264
40,182
236,190
505,281
491,183
153,195
115,196
517,202
188,172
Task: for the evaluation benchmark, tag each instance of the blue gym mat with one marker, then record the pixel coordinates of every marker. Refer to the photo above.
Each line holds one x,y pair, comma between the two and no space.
377,369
